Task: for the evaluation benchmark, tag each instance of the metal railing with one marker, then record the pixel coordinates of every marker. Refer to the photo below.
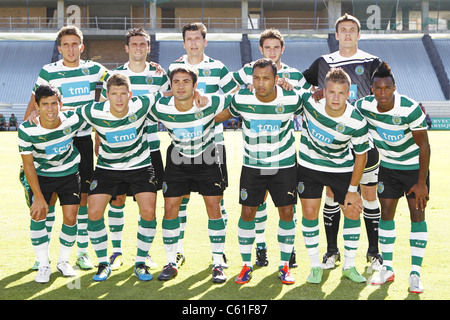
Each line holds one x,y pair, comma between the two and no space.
175,24
124,23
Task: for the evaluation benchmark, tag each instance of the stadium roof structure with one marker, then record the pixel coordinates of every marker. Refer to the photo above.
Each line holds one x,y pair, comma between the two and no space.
272,4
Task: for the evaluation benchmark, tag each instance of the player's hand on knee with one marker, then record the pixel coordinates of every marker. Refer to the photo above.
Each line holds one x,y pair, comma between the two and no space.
354,200
38,210
421,192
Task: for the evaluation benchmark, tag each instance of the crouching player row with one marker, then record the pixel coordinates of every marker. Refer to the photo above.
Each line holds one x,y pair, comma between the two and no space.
50,165
49,156
191,165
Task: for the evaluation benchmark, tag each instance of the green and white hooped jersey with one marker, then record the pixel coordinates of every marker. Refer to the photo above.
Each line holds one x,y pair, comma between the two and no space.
326,141
144,82
295,77
77,85
213,76
267,128
392,130
191,131
123,142
53,152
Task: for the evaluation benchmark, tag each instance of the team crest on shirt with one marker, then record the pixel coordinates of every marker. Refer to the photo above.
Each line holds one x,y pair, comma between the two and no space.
340,127
380,187
85,71
149,80
286,75
164,187
198,114
132,117
359,70
244,194
67,131
300,187
396,119
207,72
93,184
279,108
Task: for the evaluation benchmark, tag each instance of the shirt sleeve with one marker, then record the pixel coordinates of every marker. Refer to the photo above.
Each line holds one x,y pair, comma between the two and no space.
417,119
243,75
311,74
103,92
299,105
42,79
232,107
226,82
25,145
151,99
360,138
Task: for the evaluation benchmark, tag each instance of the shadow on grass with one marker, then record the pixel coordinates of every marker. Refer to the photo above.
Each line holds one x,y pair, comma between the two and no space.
22,291
121,285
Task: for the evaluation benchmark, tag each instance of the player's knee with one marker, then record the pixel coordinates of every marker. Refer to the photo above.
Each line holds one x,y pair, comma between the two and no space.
248,213
119,200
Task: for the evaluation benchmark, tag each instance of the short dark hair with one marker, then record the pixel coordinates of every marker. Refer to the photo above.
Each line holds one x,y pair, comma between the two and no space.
383,71
118,79
69,31
271,33
264,62
46,90
184,69
347,17
137,32
194,26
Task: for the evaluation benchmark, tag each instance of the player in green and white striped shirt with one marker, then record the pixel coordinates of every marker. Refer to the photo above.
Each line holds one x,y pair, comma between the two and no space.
123,159
144,79
50,164
269,163
330,126
399,130
213,77
192,164
76,79
271,45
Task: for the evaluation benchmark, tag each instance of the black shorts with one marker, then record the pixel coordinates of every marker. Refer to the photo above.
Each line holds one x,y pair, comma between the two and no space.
196,176
67,188
85,146
157,164
281,184
311,183
223,163
111,181
159,175
394,184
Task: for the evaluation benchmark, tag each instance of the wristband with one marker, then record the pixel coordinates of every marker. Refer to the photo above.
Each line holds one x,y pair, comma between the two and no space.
352,188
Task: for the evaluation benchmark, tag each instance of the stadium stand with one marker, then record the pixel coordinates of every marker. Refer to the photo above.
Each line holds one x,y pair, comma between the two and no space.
20,62
407,56
443,48
411,66
169,51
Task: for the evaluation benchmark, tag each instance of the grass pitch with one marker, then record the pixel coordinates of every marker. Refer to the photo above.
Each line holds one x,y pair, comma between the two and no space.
194,279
